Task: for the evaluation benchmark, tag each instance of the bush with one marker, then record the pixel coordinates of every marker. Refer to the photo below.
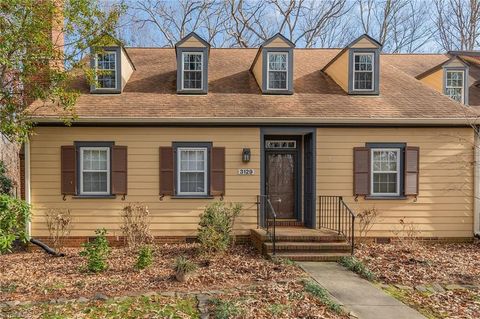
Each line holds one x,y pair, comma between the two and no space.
323,295
216,226
59,224
6,183
145,258
357,267
14,216
136,225
97,252
183,268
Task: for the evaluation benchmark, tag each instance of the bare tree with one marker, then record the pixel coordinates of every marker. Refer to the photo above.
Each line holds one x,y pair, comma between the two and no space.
458,24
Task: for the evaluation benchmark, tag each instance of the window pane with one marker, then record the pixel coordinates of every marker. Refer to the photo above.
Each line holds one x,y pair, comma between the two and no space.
385,183
95,182
277,80
106,79
454,79
192,80
363,62
363,80
192,182
455,93
277,61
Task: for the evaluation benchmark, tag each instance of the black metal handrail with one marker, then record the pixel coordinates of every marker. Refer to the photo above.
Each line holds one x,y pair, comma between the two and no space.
265,214
334,214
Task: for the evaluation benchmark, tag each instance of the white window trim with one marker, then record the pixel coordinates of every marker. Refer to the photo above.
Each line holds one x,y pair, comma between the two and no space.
354,71
201,70
397,150
116,71
268,71
107,149
455,87
205,170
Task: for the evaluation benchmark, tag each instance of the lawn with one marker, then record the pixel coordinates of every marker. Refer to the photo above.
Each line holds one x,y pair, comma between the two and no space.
441,280
230,285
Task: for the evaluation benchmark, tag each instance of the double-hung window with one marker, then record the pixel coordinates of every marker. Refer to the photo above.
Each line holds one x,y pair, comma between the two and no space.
106,70
277,70
192,170
454,86
363,71
385,170
94,170
192,70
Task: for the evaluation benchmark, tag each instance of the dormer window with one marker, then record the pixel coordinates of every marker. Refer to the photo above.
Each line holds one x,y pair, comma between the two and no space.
454,84
363,71
192,70
106,70
277,71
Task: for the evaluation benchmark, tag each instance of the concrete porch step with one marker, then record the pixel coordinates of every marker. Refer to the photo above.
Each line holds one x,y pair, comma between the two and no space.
310,256
307,247
293,234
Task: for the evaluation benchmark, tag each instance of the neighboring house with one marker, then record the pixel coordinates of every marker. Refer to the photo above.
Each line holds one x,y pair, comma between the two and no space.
176,128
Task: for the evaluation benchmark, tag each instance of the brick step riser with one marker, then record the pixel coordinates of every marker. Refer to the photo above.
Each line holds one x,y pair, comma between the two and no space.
327,239
307,249
325,258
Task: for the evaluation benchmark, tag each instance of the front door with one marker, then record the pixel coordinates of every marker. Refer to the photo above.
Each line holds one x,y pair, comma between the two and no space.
281,171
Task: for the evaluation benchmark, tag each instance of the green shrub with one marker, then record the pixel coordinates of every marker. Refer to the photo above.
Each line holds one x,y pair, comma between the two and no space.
182,264
6,183
14,216
97,252
145,258
323,295
216,226
357,267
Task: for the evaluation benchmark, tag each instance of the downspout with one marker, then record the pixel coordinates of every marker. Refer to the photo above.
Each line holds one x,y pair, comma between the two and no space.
27,185
476,186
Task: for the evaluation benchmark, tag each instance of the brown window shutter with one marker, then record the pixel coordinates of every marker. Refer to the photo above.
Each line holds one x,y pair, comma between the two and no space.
167,172
217,172
119,170
412,159
69,170
361,171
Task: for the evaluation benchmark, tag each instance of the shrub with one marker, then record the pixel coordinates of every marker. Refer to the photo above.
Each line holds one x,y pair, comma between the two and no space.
357,267
183,268
14,216
145,258
97,252
366,219
323,295
59,224
216,226
6,183
136,225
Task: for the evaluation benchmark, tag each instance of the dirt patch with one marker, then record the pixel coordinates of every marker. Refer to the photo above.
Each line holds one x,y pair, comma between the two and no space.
36,276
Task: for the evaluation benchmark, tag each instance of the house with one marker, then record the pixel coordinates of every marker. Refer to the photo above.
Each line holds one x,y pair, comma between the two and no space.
310,134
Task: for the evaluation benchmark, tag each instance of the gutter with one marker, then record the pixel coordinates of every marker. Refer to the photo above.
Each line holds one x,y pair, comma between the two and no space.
263,120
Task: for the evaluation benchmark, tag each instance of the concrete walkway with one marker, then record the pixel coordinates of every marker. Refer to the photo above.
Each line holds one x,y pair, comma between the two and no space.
357,295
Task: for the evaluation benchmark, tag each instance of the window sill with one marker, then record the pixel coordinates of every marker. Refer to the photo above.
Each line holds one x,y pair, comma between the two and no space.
192,197
372,197
94,196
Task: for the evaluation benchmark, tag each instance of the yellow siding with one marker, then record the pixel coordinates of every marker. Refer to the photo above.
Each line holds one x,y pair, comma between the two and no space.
365,44
445,203
278,43
127,68
170,217
257,69
192,42
338,71
434,80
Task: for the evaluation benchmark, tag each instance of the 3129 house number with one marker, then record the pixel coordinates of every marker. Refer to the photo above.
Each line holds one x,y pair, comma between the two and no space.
246,171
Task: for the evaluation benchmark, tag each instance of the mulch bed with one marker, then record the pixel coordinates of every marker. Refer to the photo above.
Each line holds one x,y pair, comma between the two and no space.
424,265
36,276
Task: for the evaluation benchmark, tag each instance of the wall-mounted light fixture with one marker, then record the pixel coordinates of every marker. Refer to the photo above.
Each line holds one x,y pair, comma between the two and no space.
246,154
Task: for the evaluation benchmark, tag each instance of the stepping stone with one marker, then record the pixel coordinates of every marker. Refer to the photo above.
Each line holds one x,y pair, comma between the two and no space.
421,288
100,296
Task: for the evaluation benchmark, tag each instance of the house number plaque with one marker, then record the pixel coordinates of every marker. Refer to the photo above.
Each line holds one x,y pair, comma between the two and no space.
246,171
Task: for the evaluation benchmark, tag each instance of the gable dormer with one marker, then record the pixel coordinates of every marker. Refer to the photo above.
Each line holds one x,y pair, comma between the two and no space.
273,66
192,64
111,65
356,69
450,78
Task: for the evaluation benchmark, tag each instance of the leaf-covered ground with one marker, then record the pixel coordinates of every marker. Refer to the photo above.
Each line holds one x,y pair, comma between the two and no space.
36,276
405,267
130,308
